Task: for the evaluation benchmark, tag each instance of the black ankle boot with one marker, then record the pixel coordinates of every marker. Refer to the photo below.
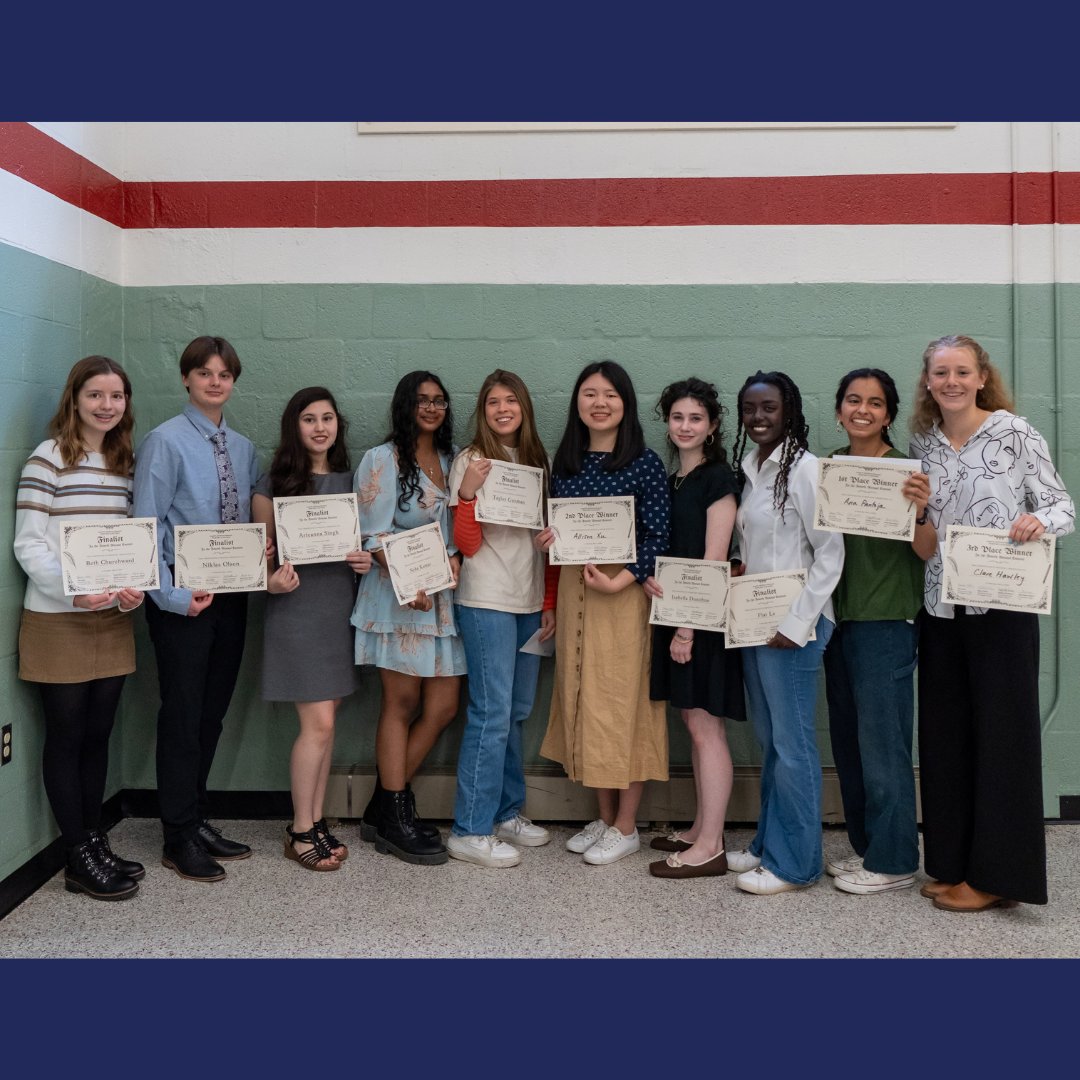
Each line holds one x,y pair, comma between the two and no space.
398,835
87,872
369,822
424,828
134,870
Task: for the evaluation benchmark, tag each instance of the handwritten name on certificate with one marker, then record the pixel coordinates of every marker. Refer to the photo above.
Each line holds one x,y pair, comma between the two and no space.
512,495
317,528
105,554
599,530
984,568
757,603
695,593
220,558
416,560
864,496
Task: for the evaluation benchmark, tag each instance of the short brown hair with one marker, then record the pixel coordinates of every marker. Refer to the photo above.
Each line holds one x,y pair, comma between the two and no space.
202,348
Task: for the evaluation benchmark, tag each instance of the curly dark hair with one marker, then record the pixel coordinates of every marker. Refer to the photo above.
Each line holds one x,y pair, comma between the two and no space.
707,396
796,431
404,431
888,389
290,469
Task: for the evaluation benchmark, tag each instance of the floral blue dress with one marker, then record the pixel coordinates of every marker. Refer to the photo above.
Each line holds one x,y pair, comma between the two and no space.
388,635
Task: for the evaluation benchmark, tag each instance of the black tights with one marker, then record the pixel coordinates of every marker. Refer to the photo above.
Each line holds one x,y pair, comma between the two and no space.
78,721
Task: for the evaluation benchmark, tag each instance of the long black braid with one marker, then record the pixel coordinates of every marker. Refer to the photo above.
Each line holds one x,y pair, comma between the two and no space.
796,431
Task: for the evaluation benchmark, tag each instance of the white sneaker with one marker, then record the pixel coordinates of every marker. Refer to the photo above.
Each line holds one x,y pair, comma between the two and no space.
850,865
866,882
520,830
611,847
740,862
483,850
588,836
764,882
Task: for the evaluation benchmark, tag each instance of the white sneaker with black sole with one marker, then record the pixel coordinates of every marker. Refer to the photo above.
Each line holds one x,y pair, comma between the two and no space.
483,850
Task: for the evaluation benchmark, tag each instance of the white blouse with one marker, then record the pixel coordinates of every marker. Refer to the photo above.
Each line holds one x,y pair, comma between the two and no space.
1002,471
770,542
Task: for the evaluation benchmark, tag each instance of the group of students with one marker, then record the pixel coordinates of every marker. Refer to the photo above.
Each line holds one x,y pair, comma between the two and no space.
868,609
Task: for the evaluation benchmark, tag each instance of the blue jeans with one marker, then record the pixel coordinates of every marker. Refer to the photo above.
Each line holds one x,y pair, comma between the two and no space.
870,684
502,686
781,690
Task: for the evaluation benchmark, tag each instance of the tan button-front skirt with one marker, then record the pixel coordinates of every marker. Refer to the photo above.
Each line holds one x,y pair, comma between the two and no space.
75,646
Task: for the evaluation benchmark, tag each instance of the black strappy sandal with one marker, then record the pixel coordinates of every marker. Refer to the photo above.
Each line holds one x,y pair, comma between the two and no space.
337,848
318,857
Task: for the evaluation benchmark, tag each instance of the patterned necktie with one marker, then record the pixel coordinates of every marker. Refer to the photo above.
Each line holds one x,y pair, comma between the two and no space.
230,499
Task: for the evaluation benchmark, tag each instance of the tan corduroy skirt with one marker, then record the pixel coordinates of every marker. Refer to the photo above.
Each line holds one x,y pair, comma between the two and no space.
603,729
75,646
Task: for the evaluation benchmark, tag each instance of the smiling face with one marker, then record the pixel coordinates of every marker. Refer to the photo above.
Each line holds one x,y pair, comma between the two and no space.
864,412
100,405
502,414
763,417
954,380
689,424
429,417
599,406
210,386
318,425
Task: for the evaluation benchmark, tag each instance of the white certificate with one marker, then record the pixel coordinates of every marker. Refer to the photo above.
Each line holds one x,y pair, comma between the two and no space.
864,496
984,568
695,593
757,604
105,554
512,495
416,560
220,558
317,528
599,530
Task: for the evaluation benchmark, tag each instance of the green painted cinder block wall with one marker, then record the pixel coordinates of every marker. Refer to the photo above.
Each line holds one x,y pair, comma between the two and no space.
358,339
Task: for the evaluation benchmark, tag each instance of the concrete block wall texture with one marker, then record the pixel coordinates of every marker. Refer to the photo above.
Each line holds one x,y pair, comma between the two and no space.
503,303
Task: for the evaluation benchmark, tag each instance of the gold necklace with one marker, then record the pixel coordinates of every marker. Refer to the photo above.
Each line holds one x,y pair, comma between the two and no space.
680,480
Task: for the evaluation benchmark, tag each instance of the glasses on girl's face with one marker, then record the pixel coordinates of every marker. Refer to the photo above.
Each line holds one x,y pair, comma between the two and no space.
439,403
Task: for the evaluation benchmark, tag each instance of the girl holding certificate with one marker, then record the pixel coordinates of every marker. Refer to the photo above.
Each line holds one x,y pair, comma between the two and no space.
870,661
776,533
307,638
404,484
78,649
603,729
499,600
980,759
691,668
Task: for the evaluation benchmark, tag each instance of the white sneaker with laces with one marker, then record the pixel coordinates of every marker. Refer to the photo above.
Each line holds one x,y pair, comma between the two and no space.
483,850
588,836
520,830
740,862
866,882
850,865
611,847
764,882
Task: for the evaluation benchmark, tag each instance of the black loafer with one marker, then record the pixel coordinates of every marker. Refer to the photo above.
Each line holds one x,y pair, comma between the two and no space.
218,846
190,860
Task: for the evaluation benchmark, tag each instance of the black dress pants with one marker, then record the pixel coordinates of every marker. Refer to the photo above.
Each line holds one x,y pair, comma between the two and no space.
980,755
198,660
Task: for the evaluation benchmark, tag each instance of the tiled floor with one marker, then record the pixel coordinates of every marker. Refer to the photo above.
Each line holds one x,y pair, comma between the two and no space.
551,905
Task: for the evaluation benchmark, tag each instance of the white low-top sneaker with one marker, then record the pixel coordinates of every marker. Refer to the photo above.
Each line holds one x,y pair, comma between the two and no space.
611,847
866,882
588,836
850,865
764,882
483,850
520,830
739,862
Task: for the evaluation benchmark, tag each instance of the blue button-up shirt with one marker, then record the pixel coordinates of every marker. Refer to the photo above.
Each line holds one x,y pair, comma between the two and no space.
176,481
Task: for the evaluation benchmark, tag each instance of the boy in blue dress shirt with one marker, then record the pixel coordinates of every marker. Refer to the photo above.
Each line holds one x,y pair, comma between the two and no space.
195,470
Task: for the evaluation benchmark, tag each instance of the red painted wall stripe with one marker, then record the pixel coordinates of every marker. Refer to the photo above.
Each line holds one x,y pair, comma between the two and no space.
883,199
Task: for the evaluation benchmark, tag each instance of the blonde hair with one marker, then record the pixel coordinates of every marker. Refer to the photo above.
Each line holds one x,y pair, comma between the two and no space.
530,449
116,447
925,412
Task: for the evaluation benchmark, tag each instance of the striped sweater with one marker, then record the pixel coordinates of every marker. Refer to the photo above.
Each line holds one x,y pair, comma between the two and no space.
49,494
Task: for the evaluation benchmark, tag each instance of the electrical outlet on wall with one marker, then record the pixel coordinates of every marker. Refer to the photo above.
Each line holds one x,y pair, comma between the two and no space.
5,744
